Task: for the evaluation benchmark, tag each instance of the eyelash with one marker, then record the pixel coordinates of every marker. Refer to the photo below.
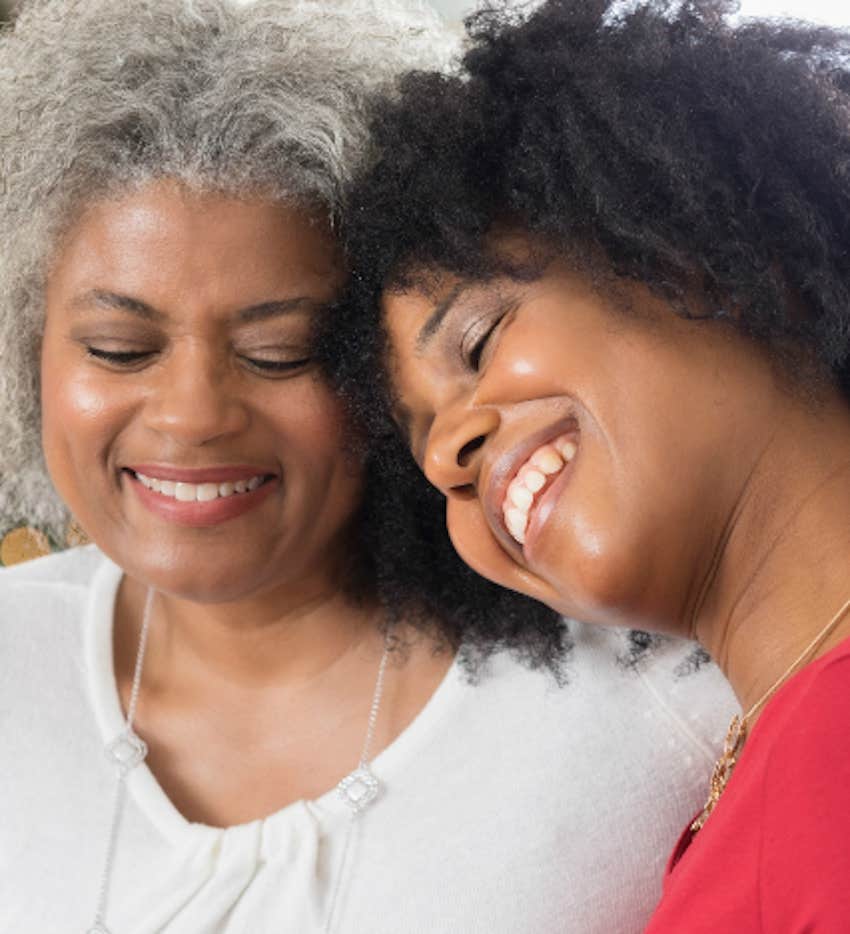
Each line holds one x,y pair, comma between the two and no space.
119,358
473,357
277,366
129,358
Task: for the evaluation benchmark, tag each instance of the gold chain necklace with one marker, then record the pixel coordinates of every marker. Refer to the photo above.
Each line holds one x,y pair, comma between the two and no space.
736,735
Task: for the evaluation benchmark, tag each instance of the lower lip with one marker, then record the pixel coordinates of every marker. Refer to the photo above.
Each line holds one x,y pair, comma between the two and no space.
543,510
201,515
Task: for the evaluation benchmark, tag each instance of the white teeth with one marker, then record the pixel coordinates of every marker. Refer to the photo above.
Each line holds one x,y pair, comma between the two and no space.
533,479
198,492
520,495
207,492
548,460
567,450
516,521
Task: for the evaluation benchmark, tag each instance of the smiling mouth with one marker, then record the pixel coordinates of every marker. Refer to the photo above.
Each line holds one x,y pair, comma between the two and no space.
532,480
201,497
201,492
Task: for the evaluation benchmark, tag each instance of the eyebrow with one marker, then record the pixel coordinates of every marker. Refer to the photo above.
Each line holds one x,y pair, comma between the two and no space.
261,312
266,310
106,299
438,315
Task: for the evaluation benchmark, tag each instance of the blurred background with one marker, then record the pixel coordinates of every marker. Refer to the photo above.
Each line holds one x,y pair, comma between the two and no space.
834,12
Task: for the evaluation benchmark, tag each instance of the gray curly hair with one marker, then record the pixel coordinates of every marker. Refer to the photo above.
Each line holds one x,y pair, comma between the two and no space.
98,96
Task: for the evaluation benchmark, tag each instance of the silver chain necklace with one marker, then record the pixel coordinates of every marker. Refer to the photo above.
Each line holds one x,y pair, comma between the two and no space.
358,789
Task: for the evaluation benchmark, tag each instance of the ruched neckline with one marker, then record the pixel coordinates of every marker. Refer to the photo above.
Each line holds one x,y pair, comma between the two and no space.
265,839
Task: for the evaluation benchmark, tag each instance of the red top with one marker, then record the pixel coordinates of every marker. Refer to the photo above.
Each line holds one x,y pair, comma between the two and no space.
774,857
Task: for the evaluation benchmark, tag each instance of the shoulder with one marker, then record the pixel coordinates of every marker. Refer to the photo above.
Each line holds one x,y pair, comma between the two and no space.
810,723
810,728
56,582
74,567
670,691
616,737
597,660
805,798
689,691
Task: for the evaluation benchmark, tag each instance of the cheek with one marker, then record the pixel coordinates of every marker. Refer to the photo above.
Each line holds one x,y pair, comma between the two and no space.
317,433
315,421
601,565
73,403
474,542
624,540
540,357
523,370
81,413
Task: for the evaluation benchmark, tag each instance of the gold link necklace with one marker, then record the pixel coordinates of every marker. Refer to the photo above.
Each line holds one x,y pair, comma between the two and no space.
736,735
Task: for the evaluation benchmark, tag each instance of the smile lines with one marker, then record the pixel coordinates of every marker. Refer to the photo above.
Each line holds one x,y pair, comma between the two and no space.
535,475
199,492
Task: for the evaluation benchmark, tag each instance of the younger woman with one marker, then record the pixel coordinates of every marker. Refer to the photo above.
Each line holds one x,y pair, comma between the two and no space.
613,265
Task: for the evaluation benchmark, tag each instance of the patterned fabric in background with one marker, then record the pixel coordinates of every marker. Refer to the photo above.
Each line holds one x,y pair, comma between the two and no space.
24,543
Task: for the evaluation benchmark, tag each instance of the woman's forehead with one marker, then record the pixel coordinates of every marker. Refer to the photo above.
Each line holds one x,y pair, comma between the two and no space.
219,248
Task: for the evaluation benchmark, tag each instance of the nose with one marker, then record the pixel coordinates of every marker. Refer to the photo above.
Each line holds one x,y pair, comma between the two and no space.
194,400
455,446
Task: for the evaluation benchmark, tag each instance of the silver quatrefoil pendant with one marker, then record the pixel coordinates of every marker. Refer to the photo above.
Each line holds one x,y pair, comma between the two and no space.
359,789
126,751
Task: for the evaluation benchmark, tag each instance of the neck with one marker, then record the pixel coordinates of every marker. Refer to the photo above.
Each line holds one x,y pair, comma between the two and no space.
783,574
285,638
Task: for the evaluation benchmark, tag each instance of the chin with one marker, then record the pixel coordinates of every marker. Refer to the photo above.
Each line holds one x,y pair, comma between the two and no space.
605,586
189,574
190,588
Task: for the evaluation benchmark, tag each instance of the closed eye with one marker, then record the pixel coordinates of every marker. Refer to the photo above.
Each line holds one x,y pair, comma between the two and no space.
119,357
476,352
277,366
478,336
130,358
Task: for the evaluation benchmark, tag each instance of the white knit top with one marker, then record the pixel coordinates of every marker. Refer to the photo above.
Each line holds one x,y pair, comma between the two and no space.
508,806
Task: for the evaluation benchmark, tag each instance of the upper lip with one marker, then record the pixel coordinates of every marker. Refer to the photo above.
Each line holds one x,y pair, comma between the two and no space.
496,477
221,474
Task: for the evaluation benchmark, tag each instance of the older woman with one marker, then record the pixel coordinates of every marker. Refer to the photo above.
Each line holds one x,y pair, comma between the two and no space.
616,281
267,637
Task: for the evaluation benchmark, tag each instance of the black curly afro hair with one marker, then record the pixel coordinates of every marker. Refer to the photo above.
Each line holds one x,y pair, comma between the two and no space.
688,152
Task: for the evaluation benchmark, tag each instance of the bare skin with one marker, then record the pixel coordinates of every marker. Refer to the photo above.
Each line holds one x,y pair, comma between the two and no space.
244,720
178,338
707,496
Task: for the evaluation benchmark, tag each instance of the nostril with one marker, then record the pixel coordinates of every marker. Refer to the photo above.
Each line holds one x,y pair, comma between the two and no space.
464,455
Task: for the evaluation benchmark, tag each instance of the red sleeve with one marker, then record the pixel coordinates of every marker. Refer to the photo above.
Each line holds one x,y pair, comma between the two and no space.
804,879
